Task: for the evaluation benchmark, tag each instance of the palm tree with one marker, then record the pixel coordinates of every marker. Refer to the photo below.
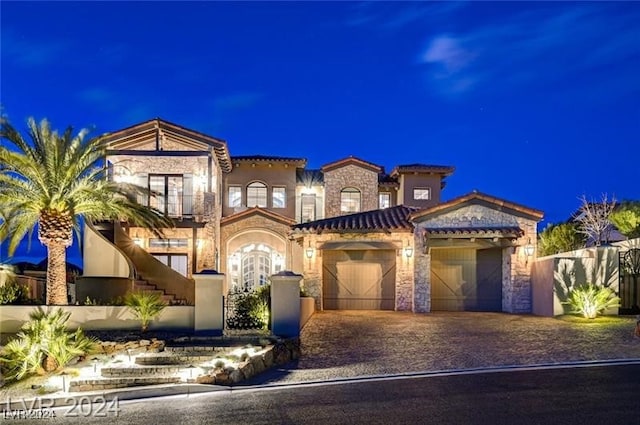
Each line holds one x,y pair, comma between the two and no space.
53,182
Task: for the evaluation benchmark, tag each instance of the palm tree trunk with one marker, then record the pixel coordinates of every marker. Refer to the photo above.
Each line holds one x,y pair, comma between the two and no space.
56,273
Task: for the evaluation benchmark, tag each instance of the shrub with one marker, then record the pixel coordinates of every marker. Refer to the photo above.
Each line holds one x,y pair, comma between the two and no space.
44,345
146,306
591,300
558,238
250,310
13,292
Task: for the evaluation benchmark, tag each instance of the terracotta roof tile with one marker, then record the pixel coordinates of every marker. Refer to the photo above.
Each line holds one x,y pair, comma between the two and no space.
388,219
446,170
514,231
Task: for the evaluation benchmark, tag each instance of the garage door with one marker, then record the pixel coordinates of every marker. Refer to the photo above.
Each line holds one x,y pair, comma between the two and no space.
466,279
359,280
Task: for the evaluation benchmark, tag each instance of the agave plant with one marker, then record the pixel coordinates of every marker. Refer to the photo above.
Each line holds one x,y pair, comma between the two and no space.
44,344
146,306
591,300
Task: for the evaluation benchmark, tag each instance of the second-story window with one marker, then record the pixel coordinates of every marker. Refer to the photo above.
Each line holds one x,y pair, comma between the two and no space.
235,196
279,197
308,207
422,193
256,195
350,200
384,200
171,194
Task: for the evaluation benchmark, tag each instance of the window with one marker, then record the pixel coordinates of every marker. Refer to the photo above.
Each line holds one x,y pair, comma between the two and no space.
235,196
256,195
308,207
384,200
422,193
279,197
171,194
350,200
168,243
176,262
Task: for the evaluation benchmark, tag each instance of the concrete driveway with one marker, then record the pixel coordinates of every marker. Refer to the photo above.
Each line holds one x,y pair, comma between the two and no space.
345,344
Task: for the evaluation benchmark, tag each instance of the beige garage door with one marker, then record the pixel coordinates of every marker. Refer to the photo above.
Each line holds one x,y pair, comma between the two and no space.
466,279
359,280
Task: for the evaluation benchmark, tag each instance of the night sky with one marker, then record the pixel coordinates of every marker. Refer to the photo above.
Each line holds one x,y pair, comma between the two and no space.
538,103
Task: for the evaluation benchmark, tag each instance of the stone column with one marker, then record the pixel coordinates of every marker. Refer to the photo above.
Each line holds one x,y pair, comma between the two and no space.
209,305
285,304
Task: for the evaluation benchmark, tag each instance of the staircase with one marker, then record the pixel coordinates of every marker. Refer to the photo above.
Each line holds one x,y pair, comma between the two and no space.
142,284
172,366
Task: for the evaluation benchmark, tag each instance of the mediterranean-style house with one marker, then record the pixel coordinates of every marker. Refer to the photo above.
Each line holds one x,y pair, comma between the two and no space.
360,237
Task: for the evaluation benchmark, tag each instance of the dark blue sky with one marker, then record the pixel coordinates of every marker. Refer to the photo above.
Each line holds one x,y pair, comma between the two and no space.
537,103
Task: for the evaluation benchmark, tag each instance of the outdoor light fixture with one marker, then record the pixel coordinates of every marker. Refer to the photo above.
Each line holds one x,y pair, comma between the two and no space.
95,364
64,381
309,251
139,242
408,251
529,249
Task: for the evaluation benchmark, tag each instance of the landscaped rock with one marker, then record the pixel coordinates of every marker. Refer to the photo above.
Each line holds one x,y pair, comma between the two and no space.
222,378
267,357
206,379
144,342
236,376
258,364
247,370
281,354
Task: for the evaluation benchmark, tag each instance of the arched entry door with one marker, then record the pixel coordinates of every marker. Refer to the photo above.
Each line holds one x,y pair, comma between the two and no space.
251,265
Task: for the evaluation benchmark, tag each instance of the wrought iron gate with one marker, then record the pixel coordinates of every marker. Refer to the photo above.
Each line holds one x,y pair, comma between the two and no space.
629,275
246,310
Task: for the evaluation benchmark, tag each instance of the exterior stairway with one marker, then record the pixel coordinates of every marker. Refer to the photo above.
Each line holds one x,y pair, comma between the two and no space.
146,287
172,366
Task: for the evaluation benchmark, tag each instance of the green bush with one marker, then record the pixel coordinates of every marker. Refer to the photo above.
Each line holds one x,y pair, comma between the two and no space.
146,306
43,345
251,310
626,218
591,300
557,238
13,292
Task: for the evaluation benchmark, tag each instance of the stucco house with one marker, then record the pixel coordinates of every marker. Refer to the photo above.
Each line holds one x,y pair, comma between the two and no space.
360,237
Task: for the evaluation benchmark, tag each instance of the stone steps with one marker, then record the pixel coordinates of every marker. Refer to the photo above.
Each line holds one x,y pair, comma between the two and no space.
121,382
194,349
140,371
173,359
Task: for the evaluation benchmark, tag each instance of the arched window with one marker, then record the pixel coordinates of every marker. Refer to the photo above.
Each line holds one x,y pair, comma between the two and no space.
256,195
350,200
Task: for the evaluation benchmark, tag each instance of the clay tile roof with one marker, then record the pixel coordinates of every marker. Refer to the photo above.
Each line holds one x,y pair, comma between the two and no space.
513,231
445,170
352,160
300,162
257,211
388,219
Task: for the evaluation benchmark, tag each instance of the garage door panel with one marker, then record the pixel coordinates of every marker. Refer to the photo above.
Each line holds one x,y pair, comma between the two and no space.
359,280
466,279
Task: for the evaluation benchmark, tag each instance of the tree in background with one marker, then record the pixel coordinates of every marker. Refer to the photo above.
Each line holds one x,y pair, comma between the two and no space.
50,183
626,218
558,238
593,219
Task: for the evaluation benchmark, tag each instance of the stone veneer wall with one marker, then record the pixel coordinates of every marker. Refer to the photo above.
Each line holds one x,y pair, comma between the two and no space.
313,267
366,181
516,271
422,273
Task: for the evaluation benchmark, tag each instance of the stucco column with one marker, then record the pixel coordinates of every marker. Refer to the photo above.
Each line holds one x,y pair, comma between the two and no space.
285,304
210,288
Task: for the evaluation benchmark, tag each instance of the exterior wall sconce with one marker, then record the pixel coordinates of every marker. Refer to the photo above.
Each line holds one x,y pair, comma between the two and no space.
139,242
529,249
199,243
408,251
309,251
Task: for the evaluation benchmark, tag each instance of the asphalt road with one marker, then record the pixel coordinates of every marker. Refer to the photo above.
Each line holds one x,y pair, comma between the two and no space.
589,395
